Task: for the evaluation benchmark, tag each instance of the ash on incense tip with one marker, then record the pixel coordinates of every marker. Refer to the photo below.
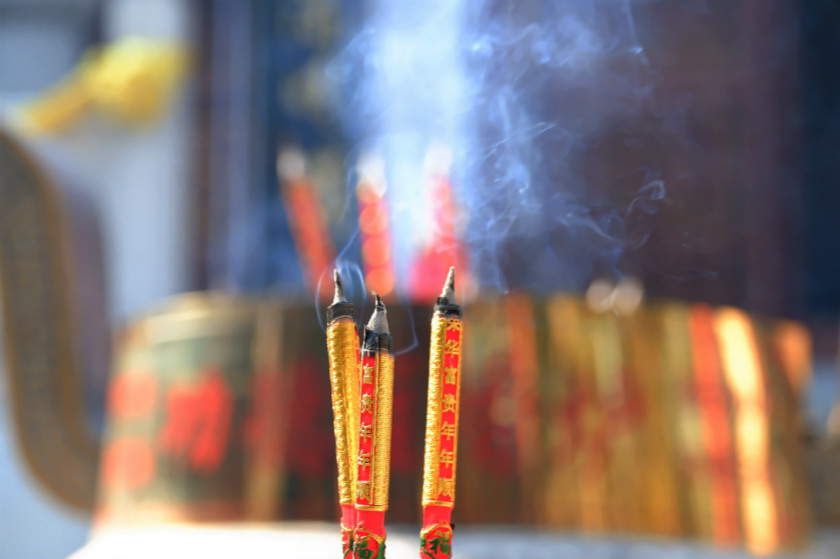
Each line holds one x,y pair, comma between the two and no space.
447,295
378,322
446,303
343,352
339,289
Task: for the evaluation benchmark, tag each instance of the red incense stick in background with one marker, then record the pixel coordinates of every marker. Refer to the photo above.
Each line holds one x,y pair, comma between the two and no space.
441,246
375,412
374,226
442,425
305,213
343,350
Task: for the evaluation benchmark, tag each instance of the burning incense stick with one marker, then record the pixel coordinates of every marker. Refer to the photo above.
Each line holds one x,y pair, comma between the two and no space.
375,408
305,212
442,425
343,349
375,225
440,245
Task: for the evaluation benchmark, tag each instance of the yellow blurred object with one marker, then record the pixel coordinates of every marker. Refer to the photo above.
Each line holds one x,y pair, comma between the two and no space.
132,80
745,378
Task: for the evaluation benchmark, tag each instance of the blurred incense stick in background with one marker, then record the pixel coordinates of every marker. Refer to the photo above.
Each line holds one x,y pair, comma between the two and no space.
307,221
439,245
374,226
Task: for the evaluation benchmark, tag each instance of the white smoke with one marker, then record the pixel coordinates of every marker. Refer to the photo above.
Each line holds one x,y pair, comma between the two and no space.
519,91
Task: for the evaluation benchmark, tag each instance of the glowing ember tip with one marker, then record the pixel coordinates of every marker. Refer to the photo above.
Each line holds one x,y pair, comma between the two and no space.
448,293
378,322
339,289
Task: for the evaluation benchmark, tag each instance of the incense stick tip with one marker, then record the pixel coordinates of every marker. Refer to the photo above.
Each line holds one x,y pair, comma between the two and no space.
339,289
379,319
448,293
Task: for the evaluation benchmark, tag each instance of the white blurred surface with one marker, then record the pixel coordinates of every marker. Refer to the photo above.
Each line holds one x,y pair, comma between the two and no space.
319,540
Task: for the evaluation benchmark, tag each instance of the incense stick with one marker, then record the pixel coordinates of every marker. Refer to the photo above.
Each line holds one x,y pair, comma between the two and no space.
375,408
442,425
305,212
343,349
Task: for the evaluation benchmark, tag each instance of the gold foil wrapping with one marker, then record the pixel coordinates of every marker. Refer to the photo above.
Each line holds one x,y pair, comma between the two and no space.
382,429
435,485
374,465
343,349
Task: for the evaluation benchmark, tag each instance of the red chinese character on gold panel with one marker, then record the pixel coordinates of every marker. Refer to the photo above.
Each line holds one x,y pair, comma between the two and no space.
198,420
132,395
128,464
264,426
310,450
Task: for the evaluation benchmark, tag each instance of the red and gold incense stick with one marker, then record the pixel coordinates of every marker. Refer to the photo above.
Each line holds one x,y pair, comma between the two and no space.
374,226
305,212
440,246
376,391
442,425
343,349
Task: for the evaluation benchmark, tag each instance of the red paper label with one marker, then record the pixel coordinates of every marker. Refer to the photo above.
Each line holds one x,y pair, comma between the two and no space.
367,409
449,412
